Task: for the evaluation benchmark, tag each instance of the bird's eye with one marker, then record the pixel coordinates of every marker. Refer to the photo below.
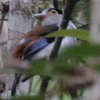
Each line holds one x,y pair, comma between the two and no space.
53,11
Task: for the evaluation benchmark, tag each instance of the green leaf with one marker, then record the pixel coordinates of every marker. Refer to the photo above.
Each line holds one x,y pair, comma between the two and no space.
61,65
22,98
82,51
80,91
38,97
85,50
78,33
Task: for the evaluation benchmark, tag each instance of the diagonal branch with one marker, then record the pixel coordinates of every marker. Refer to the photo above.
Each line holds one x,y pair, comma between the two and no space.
55,3
66,17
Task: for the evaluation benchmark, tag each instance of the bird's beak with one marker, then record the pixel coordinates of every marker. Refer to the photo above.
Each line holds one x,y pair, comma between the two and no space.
39,16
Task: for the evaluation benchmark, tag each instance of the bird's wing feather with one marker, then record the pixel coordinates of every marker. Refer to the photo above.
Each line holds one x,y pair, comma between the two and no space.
30,37
38,45
37,32
41,43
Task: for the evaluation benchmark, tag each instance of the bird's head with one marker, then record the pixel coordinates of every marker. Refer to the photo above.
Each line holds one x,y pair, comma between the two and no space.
50,16
47,12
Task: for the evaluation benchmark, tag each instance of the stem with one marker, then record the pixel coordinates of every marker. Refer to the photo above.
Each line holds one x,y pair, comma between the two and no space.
55,3
66,17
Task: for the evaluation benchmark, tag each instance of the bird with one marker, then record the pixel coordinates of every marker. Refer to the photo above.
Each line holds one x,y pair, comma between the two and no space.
32,46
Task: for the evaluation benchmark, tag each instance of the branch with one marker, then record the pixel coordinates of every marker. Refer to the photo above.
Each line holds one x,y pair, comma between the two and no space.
4,12
36,7
5,42
66,17
82,77
13,66
55,3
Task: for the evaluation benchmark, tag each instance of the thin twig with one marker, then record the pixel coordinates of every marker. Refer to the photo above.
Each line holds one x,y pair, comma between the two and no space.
4,12
36,7
55,3
66,17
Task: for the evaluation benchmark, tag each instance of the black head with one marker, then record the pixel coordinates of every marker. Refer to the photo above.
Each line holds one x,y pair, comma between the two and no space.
55,9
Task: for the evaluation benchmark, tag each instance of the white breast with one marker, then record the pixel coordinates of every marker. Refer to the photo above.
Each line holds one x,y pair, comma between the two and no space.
45,53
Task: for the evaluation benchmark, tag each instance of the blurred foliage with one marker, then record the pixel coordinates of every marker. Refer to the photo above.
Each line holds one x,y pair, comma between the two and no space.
62,64
81,13
38,97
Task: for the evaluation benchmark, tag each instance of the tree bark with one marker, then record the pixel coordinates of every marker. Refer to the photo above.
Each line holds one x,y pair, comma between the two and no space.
4,79
95,22
92,93
19,22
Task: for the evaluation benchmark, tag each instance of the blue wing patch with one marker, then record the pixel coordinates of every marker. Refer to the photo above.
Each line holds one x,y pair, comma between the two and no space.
38,45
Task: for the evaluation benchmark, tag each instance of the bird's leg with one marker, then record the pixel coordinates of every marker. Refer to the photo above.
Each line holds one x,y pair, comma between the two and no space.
15,84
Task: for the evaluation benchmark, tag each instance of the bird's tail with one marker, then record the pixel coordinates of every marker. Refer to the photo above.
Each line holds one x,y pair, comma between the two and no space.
15,83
